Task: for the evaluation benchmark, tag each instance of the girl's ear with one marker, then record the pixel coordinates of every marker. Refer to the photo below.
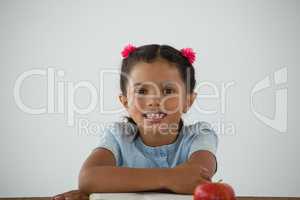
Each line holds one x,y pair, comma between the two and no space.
190,100
123,100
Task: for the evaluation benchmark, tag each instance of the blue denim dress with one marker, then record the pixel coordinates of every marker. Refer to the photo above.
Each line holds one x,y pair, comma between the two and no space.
123,140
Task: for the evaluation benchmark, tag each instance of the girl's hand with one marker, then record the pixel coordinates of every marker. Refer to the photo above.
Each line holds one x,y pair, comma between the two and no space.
71,195
183,179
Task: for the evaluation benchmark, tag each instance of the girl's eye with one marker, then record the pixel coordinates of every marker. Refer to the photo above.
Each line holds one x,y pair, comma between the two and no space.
141,91
168,91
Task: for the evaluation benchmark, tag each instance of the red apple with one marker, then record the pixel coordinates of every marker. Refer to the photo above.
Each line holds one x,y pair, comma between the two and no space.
214,191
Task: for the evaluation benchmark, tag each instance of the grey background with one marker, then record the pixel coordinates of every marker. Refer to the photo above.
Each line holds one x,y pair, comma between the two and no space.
240,41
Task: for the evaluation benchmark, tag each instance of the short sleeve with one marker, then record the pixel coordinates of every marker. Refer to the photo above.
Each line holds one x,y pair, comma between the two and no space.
205,138
108,141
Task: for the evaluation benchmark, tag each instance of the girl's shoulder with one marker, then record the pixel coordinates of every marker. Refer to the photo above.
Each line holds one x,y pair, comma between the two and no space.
201,136
121,131
199,128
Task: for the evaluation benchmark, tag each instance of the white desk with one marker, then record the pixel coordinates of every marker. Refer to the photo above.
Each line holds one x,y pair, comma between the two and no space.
139,196
162,196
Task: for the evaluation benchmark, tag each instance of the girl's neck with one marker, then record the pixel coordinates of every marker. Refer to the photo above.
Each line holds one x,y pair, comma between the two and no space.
157,138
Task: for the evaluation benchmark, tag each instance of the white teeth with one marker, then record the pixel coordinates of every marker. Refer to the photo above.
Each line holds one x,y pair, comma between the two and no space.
154,116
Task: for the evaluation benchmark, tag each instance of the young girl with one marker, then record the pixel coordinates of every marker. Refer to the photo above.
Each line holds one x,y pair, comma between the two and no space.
153,150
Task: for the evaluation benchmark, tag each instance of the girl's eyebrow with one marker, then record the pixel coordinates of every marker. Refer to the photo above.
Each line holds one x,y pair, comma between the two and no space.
171,83
168,82
137,84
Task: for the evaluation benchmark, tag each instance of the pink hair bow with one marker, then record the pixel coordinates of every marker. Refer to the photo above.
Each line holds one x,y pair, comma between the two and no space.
186,52
127,50
189,54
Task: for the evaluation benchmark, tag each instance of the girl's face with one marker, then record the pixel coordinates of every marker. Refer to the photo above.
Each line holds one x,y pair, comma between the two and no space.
156,96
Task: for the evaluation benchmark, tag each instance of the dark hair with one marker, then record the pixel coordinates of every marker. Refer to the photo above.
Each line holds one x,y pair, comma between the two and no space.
152,52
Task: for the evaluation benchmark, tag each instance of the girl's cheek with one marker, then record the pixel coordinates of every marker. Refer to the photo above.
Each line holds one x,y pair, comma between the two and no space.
172,107
134,100
139,104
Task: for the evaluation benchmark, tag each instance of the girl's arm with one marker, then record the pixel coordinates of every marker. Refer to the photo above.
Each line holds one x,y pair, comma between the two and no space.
121,179
100,174
199,169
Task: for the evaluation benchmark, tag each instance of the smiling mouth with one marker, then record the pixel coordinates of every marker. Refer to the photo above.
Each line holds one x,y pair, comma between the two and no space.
154,115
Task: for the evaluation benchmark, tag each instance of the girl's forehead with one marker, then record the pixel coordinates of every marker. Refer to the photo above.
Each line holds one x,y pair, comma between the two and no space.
156,72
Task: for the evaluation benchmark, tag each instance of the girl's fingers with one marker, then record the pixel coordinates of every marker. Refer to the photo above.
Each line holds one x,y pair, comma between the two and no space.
206,176
76,195
205,173
206,181
58,197
204,169
84,196
70,195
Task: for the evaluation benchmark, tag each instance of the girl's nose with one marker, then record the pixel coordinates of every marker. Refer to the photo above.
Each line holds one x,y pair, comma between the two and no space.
153,102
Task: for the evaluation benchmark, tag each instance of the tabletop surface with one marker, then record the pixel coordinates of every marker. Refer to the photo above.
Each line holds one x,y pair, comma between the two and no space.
238,198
